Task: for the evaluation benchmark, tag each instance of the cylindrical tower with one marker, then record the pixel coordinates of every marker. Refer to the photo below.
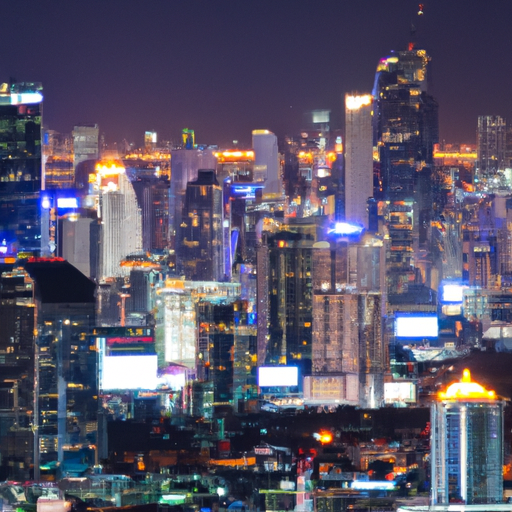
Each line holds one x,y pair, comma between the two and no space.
467,444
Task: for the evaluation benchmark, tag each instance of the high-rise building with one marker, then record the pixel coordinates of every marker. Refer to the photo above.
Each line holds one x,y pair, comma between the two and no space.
17,317
20,168
266,162
65,412
199,250
153,198
59,171
467,445
358,157
185,164
121,226
491,150
85,143
405,129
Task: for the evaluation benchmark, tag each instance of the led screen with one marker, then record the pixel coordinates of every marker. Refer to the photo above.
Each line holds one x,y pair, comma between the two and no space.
245,191
453,293
129,372
278,376
416,326
67,202
399,392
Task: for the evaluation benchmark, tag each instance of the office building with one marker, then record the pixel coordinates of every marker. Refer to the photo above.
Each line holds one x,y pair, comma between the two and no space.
120,216
491,151
153,198
467,445
59,171
358,157
267,167
199,249
65,407
85,143
405,128
185,164
17,317
21,222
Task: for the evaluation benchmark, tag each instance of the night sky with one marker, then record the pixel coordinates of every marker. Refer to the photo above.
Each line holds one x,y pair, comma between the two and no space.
225,67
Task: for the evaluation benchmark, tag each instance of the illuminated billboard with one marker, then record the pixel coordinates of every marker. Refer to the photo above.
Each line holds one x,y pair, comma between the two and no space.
129,340
278,376
453,293
245,191
395,392
67,202
416,326
346,229
129,372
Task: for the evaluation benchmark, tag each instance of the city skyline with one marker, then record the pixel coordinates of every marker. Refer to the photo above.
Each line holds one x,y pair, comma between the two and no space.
226,68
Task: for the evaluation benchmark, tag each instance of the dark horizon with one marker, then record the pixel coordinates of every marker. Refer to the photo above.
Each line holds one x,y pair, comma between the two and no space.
225,68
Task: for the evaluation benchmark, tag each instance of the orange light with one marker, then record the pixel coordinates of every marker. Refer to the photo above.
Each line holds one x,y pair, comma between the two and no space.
281,244
466,390
325,437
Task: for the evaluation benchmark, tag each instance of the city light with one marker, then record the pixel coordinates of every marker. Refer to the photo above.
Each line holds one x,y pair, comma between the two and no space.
466,389
356,102
346,228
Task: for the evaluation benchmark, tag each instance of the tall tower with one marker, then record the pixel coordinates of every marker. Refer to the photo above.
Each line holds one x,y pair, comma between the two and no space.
405,128
200,248
491,149
185,164
85,143
358,157
20,167
266,162
467,444
121,224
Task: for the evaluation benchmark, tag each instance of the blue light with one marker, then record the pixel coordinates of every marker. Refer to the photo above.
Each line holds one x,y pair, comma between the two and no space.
346,228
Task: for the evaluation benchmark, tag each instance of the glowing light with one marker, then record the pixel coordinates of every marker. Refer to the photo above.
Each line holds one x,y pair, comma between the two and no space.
46,203
345,228
356,102
109,168
26,98
325,437
67,202
466,389
234,155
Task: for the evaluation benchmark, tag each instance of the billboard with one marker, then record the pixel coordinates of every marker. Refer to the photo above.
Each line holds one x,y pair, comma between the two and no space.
453,293
129,372
278,376
416,326
129,340
245,190
396,392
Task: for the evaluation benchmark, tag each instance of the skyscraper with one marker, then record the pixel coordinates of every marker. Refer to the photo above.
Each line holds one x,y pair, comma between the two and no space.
20,167
121,226
266,162
185,164
467,445
491,150
85,143
358,157
200,249
65,410
405,128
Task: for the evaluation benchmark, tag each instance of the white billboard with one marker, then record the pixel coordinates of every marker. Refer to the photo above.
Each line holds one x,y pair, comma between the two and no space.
129,372
416,326
453,293
399,392
278,376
